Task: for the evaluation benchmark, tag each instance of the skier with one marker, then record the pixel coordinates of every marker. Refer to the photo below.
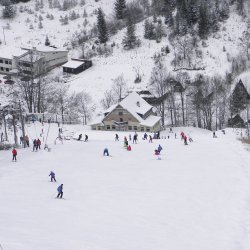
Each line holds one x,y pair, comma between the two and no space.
150,139
157,154
52,176
175,135
135,138
182,135
116,137
185,140
79,137
106,152
38,142
86,138
60,191
14,154
129,148
34,145
159,148
214,135
145,137
26,138
130,137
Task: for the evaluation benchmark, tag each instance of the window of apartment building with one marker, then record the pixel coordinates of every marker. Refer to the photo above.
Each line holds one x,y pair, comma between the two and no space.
121,120
1,61
113,126
6,62
120,113
7,69
135,127
108,127
10,62
129,127
1,68
148,129
142,129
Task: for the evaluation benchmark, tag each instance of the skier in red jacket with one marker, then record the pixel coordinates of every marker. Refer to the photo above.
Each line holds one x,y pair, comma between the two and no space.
14,154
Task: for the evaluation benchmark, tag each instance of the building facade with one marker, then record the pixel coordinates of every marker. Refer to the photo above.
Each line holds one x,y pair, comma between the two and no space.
132,114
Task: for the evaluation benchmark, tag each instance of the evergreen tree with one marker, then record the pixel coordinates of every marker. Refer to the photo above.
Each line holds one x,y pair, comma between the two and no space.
130,40
193,12
120,6
149,30
9,11
102,27
47,42
203,22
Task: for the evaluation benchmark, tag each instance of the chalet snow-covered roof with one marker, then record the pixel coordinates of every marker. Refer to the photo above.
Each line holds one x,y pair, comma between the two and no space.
73,64
134,103
150,121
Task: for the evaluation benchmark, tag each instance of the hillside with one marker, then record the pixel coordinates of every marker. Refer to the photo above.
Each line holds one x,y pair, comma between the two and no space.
217,54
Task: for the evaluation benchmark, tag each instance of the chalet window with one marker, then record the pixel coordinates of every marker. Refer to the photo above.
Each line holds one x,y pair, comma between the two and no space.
148,129
6,62
129,127
135,127
113,127
142,129
1,61
121,120
7,69
120,113
108,127
99,128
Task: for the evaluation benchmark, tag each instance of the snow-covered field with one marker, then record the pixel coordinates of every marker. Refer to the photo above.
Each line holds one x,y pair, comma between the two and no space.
196,198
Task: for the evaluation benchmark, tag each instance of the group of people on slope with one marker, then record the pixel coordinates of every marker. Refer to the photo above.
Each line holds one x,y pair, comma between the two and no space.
184,138
85,139
36,144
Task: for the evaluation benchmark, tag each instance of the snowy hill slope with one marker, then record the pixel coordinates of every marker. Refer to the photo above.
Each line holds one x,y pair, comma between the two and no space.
99,78
196,197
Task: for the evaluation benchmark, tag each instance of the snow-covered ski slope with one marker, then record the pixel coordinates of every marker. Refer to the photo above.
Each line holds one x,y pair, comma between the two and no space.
196,198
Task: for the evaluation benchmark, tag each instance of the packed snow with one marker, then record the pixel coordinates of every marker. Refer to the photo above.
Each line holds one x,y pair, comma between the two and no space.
196,197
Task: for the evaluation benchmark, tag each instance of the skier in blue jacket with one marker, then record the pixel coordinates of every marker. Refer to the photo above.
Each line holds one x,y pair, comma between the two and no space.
60,191
159,148
52,176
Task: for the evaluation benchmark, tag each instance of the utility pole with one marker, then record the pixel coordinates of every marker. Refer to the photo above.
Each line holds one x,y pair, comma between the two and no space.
22,123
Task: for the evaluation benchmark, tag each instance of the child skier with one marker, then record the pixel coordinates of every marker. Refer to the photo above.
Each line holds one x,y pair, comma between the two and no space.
106,152
14,154
129,148
157,154
60,191
86,138
52,176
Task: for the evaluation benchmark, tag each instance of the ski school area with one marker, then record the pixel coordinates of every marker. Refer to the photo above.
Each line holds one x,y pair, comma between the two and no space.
197,197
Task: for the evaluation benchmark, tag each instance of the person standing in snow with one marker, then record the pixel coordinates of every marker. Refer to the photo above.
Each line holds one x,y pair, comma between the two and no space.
159,148
79,137
185,140
157,154
34,145
150,139
14,154
86,138
106,152
116,137
129,148
130,137
52,176
60,191
38,142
